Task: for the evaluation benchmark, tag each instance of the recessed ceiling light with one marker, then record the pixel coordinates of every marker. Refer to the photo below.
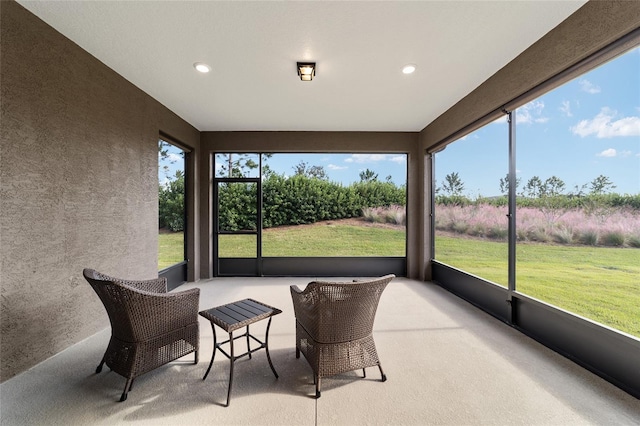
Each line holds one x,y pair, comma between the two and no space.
201,67
408,69
306,70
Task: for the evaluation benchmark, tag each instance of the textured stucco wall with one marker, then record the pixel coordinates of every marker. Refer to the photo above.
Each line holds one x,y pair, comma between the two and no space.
78,187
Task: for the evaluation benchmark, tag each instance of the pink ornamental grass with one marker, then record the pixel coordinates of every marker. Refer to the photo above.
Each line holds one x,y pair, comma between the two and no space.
618,227
392,214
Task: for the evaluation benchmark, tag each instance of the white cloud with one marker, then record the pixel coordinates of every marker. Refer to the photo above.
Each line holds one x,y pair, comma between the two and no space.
566,108
589,87
626,153
366,158
603,126
608,153
174,157
500,120
334,167
169,158
400,159
531,113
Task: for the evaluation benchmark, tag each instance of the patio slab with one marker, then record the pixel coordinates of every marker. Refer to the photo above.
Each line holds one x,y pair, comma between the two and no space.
446,362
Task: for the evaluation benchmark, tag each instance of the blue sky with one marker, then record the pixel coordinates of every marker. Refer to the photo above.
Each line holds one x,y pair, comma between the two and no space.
342,168
588,127
346,168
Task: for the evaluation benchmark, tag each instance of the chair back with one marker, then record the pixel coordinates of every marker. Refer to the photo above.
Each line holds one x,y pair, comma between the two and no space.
344,311
118,300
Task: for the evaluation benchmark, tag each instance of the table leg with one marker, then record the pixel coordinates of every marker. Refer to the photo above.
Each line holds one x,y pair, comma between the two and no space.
248,346
215,346
232,359
266,347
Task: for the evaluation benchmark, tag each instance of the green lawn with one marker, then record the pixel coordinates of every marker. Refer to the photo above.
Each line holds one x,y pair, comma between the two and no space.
333,240
305,240
170,249
598,283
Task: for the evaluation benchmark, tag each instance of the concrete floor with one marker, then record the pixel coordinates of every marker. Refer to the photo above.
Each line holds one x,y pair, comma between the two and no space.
447,363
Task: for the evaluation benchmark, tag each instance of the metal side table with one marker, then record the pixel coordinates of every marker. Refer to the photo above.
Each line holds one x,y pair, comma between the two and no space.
233,316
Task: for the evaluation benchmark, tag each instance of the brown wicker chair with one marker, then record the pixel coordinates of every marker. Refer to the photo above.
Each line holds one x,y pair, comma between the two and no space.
334,325
149,327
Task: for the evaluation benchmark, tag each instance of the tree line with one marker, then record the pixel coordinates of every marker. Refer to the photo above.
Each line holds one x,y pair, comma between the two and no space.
548,194
535,187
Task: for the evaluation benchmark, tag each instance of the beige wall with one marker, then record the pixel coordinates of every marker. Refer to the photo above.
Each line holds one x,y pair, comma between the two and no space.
78,186
350,142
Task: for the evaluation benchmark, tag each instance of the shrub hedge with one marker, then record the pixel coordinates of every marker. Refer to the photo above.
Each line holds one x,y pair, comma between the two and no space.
301,199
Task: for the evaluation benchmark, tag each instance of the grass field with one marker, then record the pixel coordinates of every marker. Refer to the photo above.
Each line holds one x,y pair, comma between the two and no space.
170,249
599,283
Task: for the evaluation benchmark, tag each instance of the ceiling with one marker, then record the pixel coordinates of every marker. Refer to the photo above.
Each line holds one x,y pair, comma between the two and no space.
252,47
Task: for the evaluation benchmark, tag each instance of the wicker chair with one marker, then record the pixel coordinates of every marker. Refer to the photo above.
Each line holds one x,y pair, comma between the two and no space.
334,325
149,327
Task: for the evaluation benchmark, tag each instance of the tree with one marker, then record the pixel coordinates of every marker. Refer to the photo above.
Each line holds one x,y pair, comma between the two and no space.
553,186
171,188
368,175
601,185
313,172
171,203
504,184
235,165
550,202
164,158
595,205
533,188
453,185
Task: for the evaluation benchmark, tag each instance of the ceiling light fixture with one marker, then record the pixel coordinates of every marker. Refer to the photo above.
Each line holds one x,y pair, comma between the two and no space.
408,69
306,70
202,67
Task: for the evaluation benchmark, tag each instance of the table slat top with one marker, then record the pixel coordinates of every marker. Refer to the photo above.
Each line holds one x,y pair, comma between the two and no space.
235,315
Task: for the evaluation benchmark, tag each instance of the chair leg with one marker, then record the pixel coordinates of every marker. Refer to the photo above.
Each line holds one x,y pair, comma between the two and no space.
364,373
127,388
196,360
317,380
99,368
297,352
384,376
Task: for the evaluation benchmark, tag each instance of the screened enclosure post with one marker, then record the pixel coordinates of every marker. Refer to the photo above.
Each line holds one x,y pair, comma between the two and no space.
259,218
432,209
511,119
215,233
